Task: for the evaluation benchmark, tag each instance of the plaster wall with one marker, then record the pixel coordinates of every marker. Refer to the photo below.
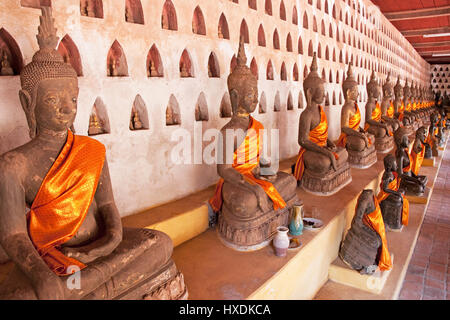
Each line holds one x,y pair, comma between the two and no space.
142,172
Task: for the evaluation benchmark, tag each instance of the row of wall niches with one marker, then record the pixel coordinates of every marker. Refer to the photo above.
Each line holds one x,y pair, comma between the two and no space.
12,62
139,116
134,14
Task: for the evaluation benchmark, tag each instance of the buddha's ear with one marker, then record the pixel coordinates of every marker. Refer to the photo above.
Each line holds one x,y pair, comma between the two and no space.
28,108
308,96
234,99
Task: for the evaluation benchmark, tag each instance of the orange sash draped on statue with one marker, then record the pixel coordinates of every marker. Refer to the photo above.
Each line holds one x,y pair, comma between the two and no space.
401,111
375,221
376,115
63,199
414,106
319,136
245,159
353,123
390,110
394,185
417,159
408,107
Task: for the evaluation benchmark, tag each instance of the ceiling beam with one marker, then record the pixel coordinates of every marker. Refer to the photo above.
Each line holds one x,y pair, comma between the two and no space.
421,32
418,14
430,44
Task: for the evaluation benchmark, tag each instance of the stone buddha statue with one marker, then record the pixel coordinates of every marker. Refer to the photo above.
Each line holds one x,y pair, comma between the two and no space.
407,91
251,201
399,105
364,247
321,167
387,105
73,227
359,144
431,141
394,207
374,124
409,182
6,69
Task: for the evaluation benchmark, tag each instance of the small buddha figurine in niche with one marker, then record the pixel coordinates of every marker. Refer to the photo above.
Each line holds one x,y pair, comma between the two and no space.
387,105
73,223
364,247
6,69
95,126
251,200
129,15
359,144
112,68
152,72
183,70
374,124
394,206
220,31
409,182
135,123
321,166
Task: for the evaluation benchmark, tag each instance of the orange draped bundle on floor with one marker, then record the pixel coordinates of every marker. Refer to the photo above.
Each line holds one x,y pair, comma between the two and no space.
63,199
417,160
376,115
375,221
319,136
394,185
245,159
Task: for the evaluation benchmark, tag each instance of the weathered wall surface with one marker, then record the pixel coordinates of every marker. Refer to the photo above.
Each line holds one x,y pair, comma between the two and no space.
142,172
440,78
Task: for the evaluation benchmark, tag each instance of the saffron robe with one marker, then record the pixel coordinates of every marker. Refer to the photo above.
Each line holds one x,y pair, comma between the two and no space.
319,136
63,199
375,221
376,115
245,159
353,123
390,110
417,159
401,111
394,185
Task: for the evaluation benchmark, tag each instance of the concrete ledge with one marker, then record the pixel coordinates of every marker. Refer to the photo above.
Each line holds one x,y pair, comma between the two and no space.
341,273
419,199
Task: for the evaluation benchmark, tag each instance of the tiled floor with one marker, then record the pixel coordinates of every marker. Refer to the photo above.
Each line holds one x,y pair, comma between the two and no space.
428,272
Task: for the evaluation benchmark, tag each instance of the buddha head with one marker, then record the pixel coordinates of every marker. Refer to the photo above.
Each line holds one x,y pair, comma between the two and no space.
373,88
390,163
242,85
407,91
313,85
421,134
398,90
350,85
388,92
49,85
401,138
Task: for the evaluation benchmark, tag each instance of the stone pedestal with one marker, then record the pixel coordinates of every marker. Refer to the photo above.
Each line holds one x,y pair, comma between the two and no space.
385,144
421,199
255,233
326,184
363,159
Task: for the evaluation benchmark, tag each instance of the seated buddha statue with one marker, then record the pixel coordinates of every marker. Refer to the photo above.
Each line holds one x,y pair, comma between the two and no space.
415,104
359,144
394,206
387,105
72,226
5,67
364,247
431,141
409,182
409,106
419,150
321,167
400,108
251,201
374,124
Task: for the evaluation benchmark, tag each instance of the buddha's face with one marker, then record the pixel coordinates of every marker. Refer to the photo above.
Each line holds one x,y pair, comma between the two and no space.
249,97
56,103
352,93
318,94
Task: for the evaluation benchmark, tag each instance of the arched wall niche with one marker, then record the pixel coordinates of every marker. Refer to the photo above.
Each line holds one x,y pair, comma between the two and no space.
213,66
139,115
201,108
225,106
261,36
262,107
198,22
116,61
244,31
223,31
98,119
134,12
36,4
10,51
186,67
154,64
169,16
173,115
91,8
70,54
